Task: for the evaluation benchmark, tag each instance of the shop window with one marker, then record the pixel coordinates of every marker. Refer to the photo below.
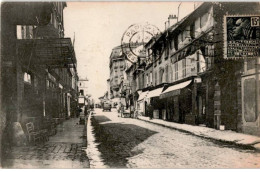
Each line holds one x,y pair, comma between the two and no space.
27,78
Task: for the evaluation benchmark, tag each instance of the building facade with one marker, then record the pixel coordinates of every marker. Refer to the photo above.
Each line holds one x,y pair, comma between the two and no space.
187,79
38,68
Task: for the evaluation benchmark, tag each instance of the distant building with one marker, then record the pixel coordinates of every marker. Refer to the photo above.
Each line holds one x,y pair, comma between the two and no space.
83,92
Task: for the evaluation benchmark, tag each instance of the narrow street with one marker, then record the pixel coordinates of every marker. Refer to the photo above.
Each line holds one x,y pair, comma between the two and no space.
131,143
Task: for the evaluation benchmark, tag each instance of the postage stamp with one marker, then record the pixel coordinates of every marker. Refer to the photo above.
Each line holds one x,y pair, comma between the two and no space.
135,38
241,36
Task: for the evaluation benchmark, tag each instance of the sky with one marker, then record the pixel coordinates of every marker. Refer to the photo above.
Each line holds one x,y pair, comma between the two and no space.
99,26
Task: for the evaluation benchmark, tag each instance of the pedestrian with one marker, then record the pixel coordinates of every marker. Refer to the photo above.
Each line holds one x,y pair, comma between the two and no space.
118,109
151,116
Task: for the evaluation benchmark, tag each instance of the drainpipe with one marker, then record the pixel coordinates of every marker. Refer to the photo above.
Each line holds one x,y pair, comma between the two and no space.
257,60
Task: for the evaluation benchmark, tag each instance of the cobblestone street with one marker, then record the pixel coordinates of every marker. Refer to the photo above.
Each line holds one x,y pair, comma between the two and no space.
131,143
66,149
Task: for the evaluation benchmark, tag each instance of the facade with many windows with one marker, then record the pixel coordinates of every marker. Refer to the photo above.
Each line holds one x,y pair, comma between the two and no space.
39,67
191,80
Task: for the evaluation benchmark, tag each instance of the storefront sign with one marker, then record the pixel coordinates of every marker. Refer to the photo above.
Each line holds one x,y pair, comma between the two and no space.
241,36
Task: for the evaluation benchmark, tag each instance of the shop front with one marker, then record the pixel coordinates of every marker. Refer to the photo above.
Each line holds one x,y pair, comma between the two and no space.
152,101
142,103
178,100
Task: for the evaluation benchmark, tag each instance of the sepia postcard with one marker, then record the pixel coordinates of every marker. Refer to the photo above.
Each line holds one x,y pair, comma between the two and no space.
130,85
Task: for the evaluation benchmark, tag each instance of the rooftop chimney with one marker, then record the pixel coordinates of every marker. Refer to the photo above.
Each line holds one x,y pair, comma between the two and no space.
172,19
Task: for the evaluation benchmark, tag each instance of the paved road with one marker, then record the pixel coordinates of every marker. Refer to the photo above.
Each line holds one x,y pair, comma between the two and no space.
131,143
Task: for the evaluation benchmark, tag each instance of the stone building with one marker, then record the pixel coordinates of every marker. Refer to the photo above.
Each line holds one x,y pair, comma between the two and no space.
192,81
38,68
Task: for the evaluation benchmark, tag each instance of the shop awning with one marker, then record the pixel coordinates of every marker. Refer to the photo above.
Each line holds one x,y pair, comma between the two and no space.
57,52
155,93
142,95
174,90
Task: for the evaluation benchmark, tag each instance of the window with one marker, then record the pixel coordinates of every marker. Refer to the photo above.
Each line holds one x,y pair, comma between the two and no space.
81,92
176,70
180,39
203,20
198,61
147,80
197,27
35,82
47,83
171,74
155,77
27,78
167,74
161,76
192,31
151,78
19,32
166,52
184,68
24,32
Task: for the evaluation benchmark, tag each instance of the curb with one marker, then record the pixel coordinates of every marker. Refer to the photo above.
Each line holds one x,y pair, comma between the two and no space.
255,146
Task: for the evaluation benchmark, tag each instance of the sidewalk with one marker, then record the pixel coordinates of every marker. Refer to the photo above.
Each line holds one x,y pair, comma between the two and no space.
210,133
66,149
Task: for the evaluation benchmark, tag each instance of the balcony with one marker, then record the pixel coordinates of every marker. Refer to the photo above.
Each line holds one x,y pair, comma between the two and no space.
56,53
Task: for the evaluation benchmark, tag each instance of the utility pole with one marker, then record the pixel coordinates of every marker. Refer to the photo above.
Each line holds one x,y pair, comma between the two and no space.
178,12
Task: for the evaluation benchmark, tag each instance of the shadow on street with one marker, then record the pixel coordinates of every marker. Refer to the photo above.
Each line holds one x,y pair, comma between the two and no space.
116,140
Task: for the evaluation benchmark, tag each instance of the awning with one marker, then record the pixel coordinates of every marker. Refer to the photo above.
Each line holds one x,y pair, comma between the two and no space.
142,95
57,52
155,93
174,90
